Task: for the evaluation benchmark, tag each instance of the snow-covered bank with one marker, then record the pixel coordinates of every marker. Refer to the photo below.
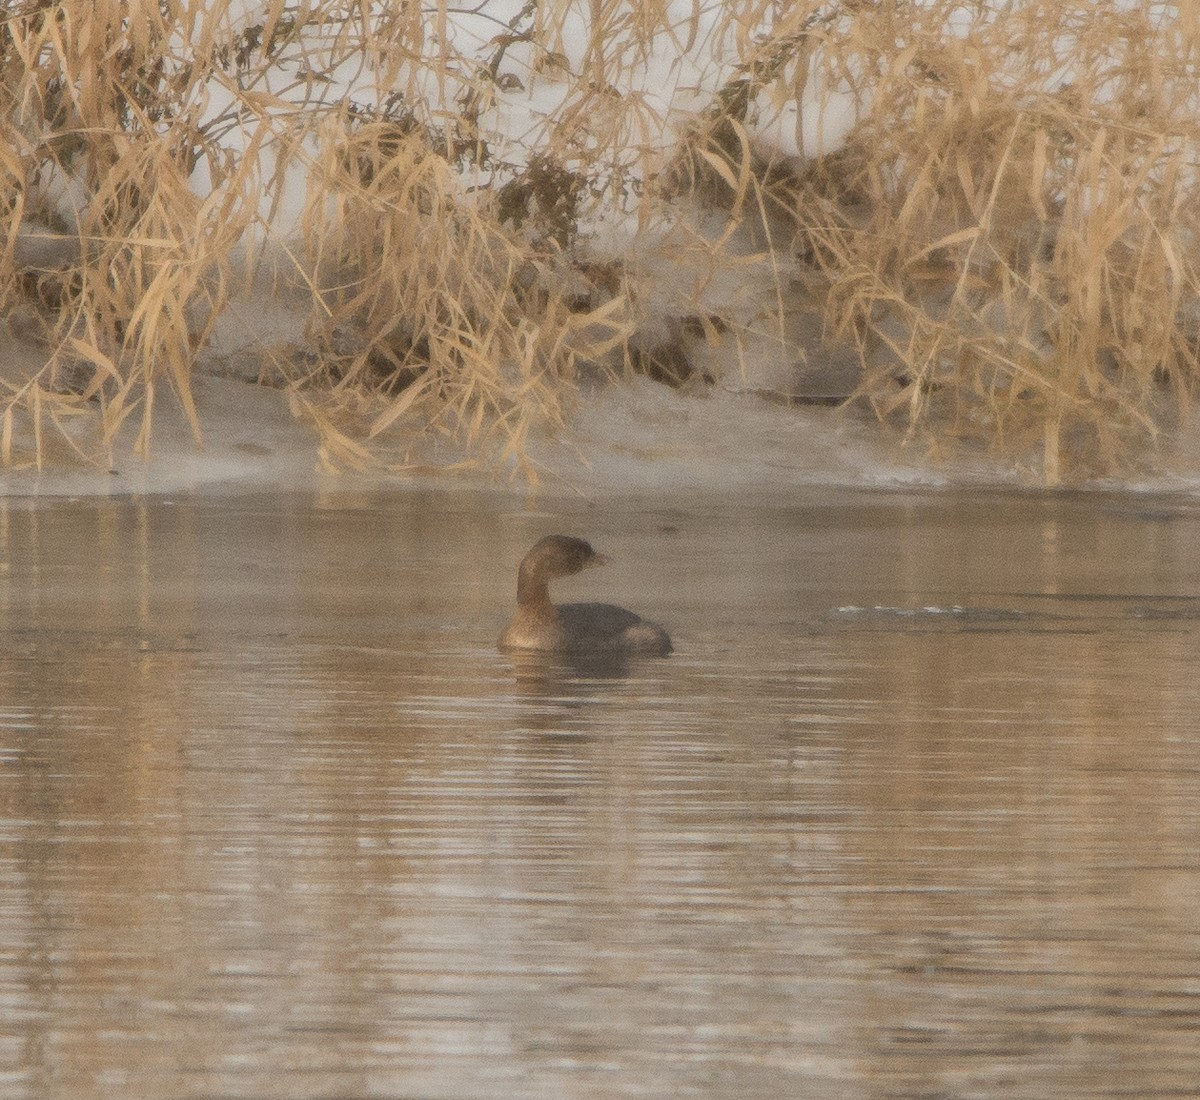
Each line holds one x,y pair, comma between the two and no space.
640,436
250,438
636,437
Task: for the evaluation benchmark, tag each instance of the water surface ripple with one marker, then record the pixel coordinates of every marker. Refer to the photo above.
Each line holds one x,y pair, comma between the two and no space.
911,813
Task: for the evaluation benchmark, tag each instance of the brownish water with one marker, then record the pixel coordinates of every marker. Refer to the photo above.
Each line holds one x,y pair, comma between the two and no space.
914,811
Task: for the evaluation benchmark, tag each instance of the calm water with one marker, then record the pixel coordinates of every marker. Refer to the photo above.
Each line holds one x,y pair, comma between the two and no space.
914,811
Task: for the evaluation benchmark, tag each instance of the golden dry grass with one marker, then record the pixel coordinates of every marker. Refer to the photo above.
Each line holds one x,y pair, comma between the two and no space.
1006,238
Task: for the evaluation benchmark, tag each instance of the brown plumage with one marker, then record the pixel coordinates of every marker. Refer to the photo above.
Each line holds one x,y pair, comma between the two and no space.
577,628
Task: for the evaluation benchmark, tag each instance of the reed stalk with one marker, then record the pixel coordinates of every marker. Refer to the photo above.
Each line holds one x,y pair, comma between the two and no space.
1004,238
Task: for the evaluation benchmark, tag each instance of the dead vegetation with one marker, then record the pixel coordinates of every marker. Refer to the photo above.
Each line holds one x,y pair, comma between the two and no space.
1004,241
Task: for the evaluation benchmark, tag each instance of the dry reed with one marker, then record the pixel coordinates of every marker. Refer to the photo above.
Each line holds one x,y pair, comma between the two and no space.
1005,239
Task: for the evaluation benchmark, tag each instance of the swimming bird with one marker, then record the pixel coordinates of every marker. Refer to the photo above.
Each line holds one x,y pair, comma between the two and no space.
599,629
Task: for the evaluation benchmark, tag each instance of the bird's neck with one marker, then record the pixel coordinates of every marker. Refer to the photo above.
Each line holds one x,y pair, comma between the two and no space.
532,590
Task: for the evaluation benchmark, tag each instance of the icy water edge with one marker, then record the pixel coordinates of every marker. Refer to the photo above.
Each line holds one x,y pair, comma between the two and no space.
911,812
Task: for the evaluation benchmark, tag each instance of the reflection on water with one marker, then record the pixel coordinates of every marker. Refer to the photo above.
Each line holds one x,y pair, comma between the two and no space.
910,813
